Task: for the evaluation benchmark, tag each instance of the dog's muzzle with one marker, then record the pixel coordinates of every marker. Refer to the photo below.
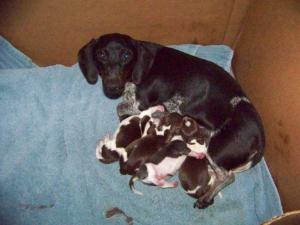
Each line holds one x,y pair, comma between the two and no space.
113,92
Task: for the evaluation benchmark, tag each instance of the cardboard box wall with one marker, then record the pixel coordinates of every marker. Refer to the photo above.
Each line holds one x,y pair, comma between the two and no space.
264,34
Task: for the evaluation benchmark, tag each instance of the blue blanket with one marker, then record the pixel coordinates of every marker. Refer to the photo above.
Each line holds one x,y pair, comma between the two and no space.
51,120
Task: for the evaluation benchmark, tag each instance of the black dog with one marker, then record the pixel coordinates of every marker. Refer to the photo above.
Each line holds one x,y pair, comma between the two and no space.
212,96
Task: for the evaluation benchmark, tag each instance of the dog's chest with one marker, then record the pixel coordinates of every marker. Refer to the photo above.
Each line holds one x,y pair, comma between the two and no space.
174,103
130,104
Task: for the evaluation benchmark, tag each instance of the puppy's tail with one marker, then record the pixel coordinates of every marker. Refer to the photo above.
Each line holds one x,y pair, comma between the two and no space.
131,185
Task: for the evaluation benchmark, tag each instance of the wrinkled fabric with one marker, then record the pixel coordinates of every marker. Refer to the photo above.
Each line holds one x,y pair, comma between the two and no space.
51,120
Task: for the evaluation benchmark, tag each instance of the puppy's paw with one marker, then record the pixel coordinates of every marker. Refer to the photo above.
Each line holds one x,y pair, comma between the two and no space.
175,184
106,139
99,147
203,203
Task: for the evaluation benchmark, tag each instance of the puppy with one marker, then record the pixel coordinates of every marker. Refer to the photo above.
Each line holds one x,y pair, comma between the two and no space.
195,176
130,129
163,164
140,151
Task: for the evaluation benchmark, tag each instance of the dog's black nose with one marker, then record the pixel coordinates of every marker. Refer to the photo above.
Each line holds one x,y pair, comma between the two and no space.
113,92
114,89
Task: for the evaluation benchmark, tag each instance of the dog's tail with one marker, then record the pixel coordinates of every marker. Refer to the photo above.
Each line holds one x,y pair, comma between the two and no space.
131,185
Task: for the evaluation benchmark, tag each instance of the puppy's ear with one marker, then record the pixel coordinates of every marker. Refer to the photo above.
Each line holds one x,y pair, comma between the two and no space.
145,56
189,126
86,62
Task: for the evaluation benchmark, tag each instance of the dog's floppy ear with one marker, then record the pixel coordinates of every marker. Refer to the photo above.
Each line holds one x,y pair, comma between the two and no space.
86,62
145,56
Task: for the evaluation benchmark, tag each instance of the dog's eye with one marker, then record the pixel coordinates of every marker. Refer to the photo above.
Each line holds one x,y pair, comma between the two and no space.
101,55
126,56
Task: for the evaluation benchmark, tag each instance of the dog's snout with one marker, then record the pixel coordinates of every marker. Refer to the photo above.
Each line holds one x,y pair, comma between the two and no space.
114,89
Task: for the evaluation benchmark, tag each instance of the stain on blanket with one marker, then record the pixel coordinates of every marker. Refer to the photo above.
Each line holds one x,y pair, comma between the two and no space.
115,211
36,207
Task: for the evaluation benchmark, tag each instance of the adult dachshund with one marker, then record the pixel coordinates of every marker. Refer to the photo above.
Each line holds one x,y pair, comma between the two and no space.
211,96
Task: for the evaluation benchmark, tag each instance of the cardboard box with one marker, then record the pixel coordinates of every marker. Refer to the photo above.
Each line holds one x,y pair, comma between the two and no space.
264,34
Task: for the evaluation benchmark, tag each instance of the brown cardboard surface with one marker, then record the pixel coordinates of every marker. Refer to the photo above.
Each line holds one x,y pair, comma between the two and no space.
268,67
236,20
52,31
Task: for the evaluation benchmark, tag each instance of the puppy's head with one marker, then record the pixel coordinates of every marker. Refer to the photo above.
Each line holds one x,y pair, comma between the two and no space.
170,124
117,58
191,130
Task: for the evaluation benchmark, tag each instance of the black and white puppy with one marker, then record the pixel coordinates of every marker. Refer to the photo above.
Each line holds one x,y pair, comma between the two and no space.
195,177
211,96
130,129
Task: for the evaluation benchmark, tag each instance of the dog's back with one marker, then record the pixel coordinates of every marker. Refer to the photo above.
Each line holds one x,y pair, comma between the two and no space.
245,128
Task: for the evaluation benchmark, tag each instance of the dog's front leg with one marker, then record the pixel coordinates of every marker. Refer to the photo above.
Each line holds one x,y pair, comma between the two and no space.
220,181
126,109
129,106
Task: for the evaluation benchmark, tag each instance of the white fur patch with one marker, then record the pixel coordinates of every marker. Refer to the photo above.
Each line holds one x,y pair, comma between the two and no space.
193,191
151,110
99,150
236,100
188,123
195,146
243,168
111,144
168,166
134,190
177,138
212,180
162,131
151,174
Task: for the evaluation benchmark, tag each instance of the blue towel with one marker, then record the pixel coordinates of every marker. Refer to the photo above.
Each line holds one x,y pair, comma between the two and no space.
12,58
51,120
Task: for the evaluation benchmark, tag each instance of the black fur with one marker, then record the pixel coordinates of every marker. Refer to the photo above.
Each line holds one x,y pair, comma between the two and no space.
160,73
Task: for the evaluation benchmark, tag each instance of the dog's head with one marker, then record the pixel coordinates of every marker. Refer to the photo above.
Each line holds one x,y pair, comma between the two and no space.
117,58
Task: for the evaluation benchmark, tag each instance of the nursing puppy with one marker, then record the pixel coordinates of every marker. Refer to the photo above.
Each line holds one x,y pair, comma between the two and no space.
195,176
163,164
110,150
140,151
